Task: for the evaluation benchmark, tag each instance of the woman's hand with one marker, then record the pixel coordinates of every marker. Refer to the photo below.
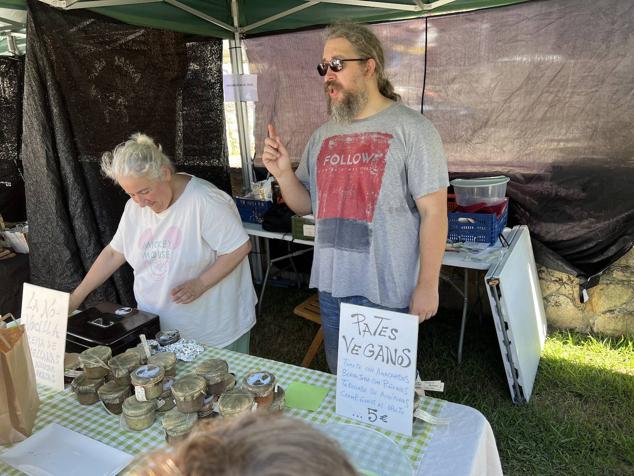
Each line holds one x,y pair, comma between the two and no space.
188,292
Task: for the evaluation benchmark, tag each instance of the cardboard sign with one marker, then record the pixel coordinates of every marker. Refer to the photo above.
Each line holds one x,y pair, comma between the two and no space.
376,367
240,87
45,314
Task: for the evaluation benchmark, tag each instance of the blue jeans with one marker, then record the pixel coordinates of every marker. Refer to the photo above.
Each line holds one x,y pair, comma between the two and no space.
329,313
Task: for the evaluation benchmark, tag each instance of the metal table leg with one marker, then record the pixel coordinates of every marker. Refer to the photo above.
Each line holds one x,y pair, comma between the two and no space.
267,256
270,262
465,307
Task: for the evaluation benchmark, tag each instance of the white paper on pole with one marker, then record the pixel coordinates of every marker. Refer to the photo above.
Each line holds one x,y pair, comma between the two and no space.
376,369
243,87
45,315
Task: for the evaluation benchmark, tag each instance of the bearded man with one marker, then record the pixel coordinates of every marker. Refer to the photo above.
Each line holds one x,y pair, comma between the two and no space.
375,177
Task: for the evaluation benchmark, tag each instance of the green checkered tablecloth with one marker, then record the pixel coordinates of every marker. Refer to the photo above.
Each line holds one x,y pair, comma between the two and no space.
93,421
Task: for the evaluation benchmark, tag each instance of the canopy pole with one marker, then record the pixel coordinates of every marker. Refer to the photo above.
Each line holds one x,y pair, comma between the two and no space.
235,48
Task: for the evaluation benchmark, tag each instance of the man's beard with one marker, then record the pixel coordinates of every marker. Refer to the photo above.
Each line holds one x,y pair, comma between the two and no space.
349,107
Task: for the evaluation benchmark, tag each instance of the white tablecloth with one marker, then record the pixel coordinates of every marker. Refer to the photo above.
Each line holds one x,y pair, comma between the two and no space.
464,447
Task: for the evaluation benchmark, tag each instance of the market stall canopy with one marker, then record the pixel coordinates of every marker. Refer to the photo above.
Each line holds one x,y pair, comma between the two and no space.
228,18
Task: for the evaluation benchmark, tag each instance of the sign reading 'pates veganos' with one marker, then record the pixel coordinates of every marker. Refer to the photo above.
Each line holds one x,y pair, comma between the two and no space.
45,314
376,367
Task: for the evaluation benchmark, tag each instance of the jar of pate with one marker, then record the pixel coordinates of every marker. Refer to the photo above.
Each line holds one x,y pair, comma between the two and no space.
235,403
138,415
121,365
94,360
262,385
113,395
86,389
148,382
178,425
167,360
214,371
189,393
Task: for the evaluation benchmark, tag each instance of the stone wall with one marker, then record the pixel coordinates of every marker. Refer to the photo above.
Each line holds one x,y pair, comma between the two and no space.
609,311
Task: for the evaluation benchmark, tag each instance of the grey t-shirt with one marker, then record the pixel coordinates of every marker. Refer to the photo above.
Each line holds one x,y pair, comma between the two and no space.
363,178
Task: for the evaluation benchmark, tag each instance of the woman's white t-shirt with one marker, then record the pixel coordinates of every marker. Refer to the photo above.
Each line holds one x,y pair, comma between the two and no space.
169,248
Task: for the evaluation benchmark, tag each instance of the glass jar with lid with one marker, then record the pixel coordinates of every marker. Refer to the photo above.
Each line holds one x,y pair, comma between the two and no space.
121,365
86,389
262,385
113,395
167,360
189,393
138,415
215,372
148,382
235,403
94,360
178,425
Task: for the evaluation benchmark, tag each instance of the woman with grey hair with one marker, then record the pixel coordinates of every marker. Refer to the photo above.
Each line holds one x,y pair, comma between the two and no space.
257,444
185,241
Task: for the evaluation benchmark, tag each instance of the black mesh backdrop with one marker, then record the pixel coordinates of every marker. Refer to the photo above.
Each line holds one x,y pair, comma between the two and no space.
201,147
12,200
90,82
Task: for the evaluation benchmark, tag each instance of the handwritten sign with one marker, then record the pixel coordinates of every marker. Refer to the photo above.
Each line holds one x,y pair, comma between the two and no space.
376,367
45,313
243,87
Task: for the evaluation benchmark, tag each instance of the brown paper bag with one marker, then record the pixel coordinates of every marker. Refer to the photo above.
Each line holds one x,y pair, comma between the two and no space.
19,400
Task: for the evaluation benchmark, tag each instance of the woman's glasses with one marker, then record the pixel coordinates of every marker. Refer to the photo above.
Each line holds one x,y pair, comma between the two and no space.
335,64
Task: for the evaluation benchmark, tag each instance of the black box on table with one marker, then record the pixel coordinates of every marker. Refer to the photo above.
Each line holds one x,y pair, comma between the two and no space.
109,324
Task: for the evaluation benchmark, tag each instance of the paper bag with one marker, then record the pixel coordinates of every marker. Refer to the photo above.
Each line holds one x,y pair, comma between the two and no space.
19,400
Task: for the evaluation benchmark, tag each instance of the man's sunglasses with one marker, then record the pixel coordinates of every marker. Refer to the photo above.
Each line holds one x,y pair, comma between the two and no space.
335,64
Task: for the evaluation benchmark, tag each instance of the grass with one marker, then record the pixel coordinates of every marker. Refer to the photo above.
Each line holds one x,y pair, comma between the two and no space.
580,418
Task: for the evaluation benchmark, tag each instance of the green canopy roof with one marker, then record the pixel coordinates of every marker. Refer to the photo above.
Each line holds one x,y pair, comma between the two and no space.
226,18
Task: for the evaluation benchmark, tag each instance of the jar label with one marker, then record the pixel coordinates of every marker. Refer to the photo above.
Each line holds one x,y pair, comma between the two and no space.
159,403
139,393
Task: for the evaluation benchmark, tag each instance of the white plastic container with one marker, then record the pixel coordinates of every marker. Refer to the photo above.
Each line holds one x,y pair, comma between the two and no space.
487,190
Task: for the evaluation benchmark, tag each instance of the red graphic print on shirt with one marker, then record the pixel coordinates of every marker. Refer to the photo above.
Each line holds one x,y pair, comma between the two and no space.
349,174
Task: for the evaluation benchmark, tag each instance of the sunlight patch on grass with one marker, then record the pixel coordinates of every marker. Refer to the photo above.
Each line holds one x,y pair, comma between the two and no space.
616,355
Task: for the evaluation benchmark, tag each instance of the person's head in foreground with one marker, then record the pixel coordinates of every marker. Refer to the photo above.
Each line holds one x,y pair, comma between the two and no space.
254,445
144,172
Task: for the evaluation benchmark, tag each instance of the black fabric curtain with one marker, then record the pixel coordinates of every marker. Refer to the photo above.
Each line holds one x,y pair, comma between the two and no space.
12,199
91,82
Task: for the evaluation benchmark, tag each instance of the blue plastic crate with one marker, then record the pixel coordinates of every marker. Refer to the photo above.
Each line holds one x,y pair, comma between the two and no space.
252,210
476,227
